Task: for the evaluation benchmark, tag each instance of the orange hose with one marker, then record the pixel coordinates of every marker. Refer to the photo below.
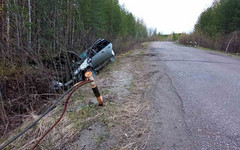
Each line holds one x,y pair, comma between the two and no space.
76,86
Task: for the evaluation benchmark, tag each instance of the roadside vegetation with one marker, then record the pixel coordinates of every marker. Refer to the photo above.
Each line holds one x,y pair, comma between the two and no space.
122,123
33,32
218,27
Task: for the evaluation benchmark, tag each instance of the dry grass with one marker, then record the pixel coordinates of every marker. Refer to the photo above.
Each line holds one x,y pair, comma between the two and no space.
65,132
130,122
133,126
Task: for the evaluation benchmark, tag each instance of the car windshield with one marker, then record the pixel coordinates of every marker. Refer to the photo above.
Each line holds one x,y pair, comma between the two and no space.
83,56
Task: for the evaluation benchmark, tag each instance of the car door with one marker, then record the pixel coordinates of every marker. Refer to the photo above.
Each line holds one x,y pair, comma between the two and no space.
109,51
99,58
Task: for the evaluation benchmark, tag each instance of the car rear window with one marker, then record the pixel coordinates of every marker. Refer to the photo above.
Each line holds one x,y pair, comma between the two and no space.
102,45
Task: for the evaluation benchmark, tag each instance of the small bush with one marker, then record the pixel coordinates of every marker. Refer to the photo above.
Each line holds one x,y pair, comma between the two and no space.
22,90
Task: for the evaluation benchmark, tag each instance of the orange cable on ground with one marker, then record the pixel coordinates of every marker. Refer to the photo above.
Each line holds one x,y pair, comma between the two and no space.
76,86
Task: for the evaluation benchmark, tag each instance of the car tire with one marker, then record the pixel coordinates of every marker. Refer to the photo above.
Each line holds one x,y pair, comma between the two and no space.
112,59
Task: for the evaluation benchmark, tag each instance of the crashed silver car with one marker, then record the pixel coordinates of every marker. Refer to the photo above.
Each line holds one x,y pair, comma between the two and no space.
71,66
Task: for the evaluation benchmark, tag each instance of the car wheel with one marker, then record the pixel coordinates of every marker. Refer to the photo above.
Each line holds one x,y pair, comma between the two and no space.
112,59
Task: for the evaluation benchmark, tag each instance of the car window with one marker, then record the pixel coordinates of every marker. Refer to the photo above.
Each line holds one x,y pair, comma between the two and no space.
83,55
102,45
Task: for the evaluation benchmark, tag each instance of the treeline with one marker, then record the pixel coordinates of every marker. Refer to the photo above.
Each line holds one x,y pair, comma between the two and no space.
44,26
33,31
218,27
157,36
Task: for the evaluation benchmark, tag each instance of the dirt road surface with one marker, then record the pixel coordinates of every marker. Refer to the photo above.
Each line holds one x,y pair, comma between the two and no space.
195,98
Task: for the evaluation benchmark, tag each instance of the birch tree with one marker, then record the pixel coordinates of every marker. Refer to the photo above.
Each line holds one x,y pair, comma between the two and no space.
29,24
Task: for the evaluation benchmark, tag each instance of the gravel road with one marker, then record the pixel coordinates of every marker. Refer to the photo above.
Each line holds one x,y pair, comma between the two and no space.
195,96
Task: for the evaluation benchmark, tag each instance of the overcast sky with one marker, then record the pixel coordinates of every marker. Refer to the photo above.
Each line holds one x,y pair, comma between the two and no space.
168,15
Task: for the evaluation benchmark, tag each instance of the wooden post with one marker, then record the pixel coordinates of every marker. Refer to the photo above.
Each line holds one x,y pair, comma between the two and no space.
226,50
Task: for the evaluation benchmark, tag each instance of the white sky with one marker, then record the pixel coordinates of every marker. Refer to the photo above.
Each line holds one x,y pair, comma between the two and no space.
168,15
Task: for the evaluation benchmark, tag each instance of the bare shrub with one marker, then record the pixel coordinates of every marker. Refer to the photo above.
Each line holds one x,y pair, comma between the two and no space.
227,43
23,90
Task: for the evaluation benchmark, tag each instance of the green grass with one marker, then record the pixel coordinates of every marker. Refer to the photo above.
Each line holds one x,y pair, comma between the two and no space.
79,117
100,139
88,114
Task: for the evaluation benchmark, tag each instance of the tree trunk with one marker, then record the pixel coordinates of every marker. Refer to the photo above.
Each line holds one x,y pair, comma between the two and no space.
2,14
226,50
17,26
2,20
70,24
30,24
73,32
8,25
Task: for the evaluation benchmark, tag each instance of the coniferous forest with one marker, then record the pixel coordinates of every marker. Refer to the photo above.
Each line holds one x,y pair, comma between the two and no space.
218,27
33,32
